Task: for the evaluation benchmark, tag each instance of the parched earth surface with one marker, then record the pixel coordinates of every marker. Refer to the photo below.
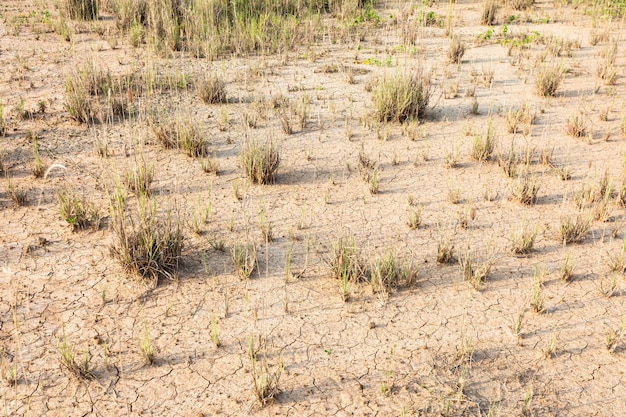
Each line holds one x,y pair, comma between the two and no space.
440,347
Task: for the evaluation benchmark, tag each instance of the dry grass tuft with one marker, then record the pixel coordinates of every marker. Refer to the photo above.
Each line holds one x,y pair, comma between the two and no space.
403,97
573,229
548,80
488,12
456,50
212,90
147,245
79,214
82,9
259,161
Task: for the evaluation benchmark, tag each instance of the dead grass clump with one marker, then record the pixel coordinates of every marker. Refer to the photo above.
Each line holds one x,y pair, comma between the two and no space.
345,261
191,140
473,271
576,126
182,132
521,4
573,229
445,250
566,270
616,260
129,12
245,260
210,165
82,9
78,102
548,80
259,161
370,172
18,196
415,219
139,179
146,244
519,120
606,66
387,273
265,380
523,241
80,369
607,73
212,90
508,162
488,12
79,214
403,97
456,50
483,146
524,189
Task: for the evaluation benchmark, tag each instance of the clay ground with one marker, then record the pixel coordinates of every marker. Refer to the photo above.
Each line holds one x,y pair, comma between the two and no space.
441,347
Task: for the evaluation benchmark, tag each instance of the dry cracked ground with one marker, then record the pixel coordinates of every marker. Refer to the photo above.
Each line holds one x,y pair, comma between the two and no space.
445,345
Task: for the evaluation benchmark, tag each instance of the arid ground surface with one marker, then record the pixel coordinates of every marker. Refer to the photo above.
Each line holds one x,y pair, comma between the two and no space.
439,347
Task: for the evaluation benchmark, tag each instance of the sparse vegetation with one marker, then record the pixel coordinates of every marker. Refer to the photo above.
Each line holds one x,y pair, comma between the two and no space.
445,250
521,4
79,368
524,189
38,169
475,272
82,9
488,12
345,261
615,337
566,270
78,213
182,132
148,245
607,285
139,179
146,347
522,242
548,80
519,120
259,161
387,273
403,97
537,302
573,229
78,103
244,259
415,219
456,50
212,90
551,349
483,146
518,324
3,124
18,196
265,380
575,126
379,125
